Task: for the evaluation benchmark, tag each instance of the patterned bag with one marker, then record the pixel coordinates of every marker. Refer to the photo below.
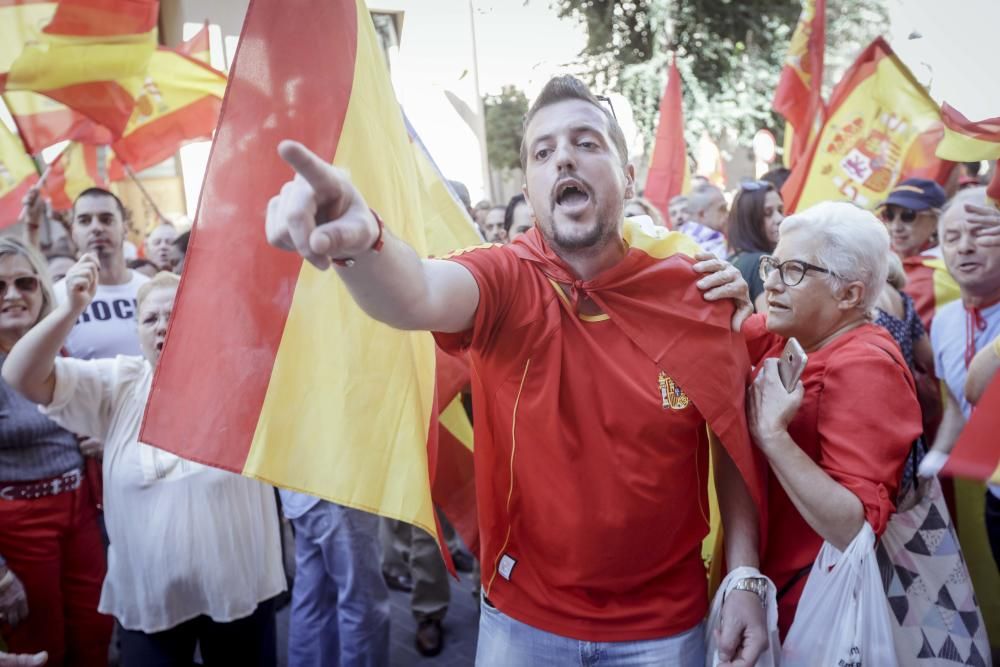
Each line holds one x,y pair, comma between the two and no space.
936,618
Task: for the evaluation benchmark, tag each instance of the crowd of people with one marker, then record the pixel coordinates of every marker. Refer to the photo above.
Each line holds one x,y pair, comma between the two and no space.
622,347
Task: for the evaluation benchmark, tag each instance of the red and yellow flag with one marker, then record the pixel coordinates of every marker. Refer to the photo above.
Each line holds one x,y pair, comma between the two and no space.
881,128
17,175
78,167
976,454
199,46
315,395
40,121
799,96
179,102
92,56
966,141
669,172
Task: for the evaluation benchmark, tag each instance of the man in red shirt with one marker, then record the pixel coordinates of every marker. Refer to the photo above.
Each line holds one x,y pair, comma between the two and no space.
597,365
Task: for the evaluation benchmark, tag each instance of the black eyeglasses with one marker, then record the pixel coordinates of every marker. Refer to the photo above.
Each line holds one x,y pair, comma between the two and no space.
25,284
607,100
889,213
754,186
792,271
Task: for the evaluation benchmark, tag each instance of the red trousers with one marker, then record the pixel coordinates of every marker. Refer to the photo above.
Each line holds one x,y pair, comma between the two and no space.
53,545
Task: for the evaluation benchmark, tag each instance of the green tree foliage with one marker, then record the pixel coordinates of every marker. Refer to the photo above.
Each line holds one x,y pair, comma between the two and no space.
504,115
729,53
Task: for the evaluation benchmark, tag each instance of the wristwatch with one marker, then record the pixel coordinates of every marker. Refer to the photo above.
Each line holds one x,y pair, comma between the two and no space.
756,585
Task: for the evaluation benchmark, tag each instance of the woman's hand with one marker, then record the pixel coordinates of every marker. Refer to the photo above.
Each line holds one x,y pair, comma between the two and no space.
724,282
81,282
771,407
13,599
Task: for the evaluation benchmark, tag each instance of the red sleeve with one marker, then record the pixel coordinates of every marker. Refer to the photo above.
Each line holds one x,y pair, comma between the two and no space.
759,339
868,419
495,270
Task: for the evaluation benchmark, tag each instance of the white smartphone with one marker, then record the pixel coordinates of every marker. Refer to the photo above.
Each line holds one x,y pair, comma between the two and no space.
791,363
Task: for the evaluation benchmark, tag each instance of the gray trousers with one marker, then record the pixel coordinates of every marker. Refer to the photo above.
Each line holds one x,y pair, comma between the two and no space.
431,588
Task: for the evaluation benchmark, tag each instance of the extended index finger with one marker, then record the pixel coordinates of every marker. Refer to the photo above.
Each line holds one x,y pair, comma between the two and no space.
317,172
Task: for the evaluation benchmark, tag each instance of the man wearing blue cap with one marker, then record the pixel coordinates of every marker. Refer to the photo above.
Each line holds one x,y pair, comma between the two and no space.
911,215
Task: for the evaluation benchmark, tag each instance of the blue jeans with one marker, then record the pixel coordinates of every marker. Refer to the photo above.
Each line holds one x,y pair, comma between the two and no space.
340,603
505,642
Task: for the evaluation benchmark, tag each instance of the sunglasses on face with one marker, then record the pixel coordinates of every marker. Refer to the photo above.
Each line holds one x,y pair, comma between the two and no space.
888,214
24,284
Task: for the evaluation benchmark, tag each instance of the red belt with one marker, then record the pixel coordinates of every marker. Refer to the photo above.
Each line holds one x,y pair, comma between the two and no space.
64,483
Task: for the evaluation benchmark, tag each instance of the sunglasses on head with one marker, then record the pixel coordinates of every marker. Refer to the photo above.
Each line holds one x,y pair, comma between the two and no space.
24,284
889,213
754,186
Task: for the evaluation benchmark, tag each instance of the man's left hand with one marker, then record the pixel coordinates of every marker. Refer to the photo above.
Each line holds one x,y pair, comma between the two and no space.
742,637
724,282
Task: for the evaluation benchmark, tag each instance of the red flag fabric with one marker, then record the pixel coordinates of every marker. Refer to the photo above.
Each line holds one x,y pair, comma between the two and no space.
78,167
669,174
977,453
799,96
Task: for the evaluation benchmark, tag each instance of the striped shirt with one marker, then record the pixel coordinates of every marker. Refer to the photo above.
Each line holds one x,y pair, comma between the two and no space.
709,239
32,446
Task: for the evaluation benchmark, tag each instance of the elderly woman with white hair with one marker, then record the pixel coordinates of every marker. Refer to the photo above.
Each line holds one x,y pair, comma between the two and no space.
837,441
195,556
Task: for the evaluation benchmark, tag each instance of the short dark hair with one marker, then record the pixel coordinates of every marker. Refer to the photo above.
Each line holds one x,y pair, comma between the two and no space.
745,227
566,87
101,192
508,215
777,177
181,242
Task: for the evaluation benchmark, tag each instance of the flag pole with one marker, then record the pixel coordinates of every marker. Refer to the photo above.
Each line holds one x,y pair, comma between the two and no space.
145,194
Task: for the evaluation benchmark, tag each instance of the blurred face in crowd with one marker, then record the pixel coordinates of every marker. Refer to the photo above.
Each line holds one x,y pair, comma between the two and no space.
160,247
58,267
493,229
713,212
814,308
98,226
521,221
21,299
678,211
974,265
910,231
575,179
154,316
774,213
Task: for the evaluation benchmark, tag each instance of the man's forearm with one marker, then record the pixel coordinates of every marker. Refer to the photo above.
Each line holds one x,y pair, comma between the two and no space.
832,511
397,287
740,525
952,422
30,366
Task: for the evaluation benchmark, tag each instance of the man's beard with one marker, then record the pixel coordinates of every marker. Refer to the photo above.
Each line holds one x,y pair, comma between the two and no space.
602,230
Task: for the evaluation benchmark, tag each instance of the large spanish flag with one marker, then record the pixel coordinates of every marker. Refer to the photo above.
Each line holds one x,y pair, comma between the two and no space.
92,56
17,175
78,167
967,141
179,102
881,127
276,371
40,121
669,172
799,96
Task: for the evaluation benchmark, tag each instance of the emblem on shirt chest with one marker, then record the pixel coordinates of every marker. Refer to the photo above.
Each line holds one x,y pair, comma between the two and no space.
673,396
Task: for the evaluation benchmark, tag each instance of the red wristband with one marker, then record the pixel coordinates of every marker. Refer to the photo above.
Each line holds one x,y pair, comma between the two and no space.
376,246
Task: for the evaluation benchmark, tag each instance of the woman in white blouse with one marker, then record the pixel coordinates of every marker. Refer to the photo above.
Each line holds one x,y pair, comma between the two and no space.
195,556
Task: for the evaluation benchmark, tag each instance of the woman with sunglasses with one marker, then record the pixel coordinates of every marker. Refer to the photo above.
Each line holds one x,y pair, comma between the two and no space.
195,557
752,231
834,458
51,556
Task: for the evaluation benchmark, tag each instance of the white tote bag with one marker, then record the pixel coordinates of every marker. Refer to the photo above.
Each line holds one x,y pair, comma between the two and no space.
843,618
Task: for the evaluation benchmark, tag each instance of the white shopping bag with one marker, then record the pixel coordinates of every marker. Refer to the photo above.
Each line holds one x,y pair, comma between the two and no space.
769,657
843,618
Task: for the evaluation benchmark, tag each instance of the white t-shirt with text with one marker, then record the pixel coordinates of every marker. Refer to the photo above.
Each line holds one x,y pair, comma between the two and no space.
108,327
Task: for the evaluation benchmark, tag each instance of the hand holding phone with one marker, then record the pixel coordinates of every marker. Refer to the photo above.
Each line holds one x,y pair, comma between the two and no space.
791,363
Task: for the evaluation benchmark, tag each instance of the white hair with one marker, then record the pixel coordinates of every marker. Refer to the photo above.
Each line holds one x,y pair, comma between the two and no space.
850,242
